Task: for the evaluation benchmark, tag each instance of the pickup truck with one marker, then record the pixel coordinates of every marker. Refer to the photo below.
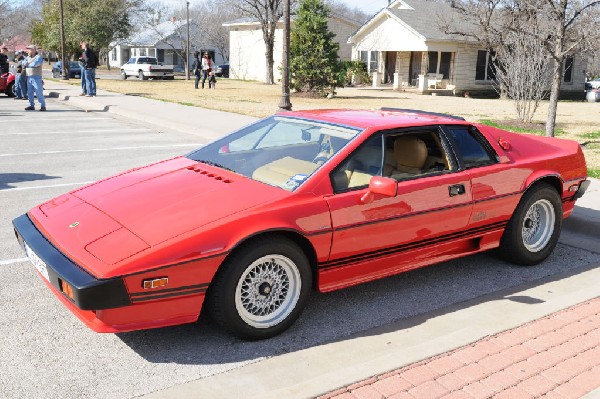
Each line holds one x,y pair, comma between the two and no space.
146,67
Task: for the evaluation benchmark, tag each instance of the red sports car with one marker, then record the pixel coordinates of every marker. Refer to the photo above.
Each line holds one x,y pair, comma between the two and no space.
249,224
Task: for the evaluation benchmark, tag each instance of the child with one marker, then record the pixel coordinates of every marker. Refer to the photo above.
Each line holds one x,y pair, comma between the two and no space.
212,80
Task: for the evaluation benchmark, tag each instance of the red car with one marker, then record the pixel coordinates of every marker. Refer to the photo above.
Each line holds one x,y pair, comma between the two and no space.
249,224
7,84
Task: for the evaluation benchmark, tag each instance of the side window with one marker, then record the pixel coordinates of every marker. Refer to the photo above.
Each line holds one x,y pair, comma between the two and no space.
472,149
356,170
414,154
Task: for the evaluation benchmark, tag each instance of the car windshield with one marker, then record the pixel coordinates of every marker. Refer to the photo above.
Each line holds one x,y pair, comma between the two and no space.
279,151
73,64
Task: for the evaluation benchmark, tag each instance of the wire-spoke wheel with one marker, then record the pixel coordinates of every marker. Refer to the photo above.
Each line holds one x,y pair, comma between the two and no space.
533,230
538,225
261,289
268,291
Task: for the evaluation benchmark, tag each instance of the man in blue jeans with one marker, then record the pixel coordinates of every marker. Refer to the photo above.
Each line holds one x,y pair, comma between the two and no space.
90,61
33,69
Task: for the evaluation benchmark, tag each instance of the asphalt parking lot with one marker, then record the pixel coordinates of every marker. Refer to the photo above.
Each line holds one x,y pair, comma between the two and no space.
46,352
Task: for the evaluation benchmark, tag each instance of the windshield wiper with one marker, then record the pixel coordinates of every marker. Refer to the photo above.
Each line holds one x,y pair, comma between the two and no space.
218,165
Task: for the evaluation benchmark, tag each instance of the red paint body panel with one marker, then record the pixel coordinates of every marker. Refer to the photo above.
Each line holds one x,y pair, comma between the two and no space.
180,219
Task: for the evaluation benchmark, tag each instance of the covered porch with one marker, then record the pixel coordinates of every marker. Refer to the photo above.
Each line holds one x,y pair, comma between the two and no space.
424,72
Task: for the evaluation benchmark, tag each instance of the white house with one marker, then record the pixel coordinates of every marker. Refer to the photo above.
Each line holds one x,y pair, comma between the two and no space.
247,47
166,41
403,45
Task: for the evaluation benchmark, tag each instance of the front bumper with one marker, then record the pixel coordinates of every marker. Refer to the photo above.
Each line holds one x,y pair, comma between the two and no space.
89,293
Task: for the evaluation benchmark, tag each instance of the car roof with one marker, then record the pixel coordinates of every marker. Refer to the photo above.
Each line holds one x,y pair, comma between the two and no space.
376,118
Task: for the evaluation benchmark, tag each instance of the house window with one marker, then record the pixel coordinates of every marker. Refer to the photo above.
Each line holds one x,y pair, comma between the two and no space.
439,63
151,52
160,55
485,68
364,56
143,52
113,54
568,70
374,61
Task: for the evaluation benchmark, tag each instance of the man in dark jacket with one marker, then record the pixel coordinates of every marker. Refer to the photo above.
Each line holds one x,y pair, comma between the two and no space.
3,61
90,62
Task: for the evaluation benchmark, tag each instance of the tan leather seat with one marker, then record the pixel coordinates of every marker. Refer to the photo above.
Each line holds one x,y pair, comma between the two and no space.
410,154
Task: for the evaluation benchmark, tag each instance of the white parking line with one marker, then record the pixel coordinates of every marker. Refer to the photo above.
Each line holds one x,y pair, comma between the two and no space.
72,119
48,186
102,149
12,261
70,131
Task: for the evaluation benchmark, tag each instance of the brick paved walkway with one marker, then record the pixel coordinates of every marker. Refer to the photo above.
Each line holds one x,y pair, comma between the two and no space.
557,356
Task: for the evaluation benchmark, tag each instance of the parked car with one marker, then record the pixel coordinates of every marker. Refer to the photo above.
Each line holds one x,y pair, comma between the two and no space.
74,70
249,224
146,67
222,70
7,84
592,84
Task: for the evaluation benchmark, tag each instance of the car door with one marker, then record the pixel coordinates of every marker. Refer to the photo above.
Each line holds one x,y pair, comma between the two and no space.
391,234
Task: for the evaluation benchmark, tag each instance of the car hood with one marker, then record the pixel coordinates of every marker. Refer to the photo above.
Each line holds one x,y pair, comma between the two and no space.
118,217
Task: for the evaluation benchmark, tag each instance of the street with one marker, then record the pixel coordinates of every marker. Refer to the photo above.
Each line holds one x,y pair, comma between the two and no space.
47,352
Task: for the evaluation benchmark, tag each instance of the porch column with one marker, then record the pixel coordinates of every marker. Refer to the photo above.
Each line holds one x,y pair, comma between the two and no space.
396,84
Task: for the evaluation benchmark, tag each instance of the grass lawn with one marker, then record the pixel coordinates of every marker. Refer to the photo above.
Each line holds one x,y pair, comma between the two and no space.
575,120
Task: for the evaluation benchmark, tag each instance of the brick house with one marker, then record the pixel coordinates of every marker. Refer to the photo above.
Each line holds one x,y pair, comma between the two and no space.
403,46
247,47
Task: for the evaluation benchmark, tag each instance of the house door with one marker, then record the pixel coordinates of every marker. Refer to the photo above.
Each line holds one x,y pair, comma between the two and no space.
416,58
390,66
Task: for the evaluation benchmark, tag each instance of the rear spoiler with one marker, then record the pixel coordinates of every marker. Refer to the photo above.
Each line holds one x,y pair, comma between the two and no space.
416,111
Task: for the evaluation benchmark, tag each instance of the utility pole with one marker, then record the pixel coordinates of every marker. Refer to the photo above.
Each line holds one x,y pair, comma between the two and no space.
285,104
187,44
63,58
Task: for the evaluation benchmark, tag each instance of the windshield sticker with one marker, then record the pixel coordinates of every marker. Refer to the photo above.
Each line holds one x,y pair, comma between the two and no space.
291,185
299,178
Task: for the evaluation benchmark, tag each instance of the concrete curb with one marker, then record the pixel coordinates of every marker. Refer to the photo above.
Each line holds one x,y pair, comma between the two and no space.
205,123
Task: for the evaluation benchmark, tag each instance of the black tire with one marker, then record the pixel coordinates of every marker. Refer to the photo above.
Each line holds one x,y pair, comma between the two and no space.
534,228
261,289
123,75
141,76
10,89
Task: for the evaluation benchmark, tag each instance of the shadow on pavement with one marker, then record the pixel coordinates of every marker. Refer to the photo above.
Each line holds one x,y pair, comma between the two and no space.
394,303
7,178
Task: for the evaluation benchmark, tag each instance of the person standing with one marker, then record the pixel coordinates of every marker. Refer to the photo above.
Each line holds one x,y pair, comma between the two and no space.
197,68
33,69
82,75
3,61
20,78
207,65
90,61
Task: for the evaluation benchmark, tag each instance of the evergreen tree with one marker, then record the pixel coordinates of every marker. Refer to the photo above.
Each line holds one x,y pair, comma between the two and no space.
314,64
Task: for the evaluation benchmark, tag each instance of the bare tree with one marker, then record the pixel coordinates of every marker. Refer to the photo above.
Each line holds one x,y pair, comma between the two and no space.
209,18
267,13
561,28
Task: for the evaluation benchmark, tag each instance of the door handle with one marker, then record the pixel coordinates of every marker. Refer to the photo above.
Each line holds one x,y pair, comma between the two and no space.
456,189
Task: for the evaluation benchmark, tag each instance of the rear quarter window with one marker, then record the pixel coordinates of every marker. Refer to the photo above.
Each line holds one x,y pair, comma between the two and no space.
471,147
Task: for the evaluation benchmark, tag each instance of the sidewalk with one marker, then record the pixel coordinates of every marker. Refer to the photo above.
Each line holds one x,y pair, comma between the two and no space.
491,346
205,123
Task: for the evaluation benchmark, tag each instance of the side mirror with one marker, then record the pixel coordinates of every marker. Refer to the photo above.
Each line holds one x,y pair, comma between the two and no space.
380,185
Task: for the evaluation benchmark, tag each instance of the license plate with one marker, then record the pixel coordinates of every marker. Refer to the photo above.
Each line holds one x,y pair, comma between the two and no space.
39,264
76,76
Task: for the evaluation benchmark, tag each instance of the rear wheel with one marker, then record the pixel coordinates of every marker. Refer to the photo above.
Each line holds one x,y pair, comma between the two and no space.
261,290
141,76
533,230
10,89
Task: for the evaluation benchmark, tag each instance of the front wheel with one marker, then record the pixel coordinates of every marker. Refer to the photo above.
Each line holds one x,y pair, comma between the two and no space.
10,90
261,290
141,76
533,230
123,75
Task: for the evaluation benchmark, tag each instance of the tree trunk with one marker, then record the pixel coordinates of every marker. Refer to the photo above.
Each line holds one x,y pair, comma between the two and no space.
554,93
270,63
